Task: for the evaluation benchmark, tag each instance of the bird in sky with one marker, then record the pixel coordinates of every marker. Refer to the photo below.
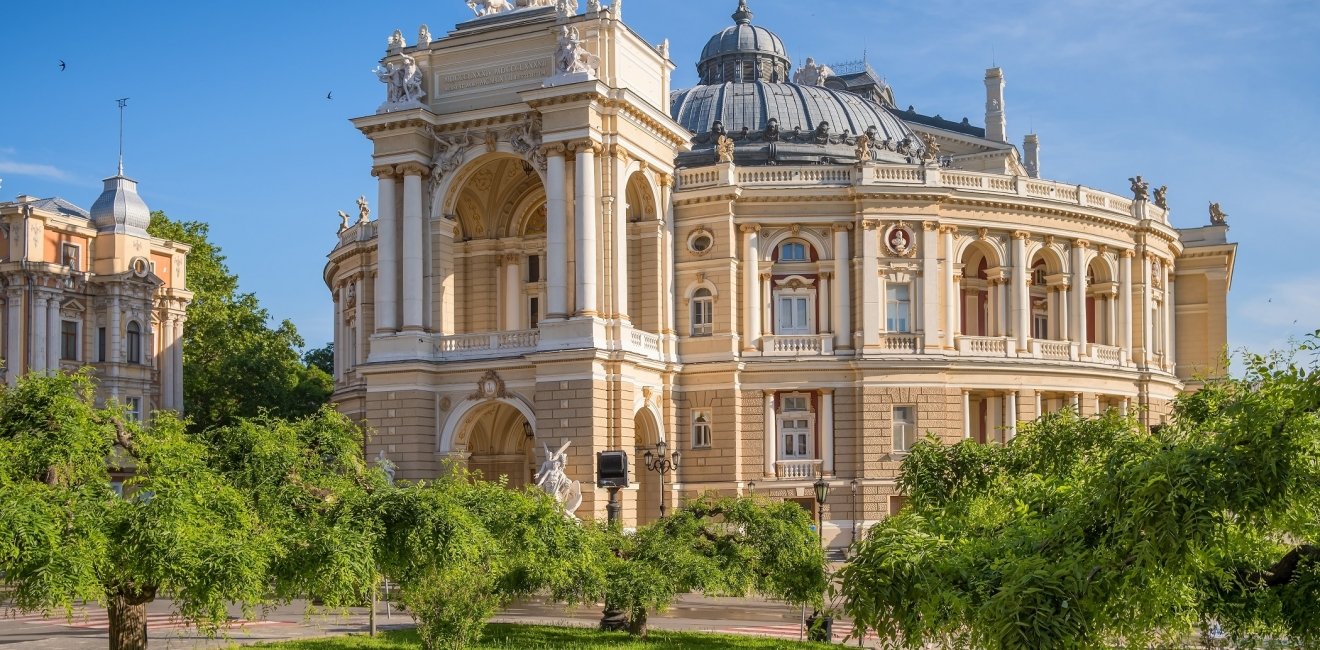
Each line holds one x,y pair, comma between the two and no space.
328,95
62,65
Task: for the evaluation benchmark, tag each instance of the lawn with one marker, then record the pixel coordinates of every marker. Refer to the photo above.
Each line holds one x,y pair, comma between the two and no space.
530,637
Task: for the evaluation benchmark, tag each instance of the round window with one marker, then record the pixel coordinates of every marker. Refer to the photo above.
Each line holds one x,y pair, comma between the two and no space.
701,241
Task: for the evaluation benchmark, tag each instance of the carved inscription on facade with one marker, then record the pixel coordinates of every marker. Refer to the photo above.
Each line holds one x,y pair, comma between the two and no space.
495,75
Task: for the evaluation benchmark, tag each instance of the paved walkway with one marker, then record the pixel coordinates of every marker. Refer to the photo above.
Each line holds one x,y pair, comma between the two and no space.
87,628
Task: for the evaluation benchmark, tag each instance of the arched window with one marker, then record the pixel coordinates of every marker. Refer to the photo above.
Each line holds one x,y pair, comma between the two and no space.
703,313
793,251
134,342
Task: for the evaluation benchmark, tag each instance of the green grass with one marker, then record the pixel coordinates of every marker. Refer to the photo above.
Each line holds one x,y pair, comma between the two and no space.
532,637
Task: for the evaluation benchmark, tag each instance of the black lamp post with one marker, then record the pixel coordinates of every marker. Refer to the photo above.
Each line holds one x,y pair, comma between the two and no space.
822,493
751,488
854,485
527,429
661,464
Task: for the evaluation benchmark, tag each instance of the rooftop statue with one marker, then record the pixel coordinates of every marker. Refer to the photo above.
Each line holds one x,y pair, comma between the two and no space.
863,150
812,74
571,57
1140,189
489,7
1162,197
396,41
364,210
1217,215
724,149
343,221
404,83
423,36
551,478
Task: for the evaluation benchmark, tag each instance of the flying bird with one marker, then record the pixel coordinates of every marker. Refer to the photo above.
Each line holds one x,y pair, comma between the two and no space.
328,95
62,65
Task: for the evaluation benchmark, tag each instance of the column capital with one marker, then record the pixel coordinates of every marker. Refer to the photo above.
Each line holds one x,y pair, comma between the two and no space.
768,393
749,228
1021,235
1081,243
930,226
948,230
826,392
765,276
383,171
666,180
620,152
841,227
827,275
1127,252
414,169
870,224
554,149
511,258
585,145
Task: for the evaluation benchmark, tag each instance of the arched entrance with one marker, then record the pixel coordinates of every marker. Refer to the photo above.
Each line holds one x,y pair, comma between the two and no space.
495,435
646,431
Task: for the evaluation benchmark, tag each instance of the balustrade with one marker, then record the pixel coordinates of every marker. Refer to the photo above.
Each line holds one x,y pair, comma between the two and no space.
799,469
783,345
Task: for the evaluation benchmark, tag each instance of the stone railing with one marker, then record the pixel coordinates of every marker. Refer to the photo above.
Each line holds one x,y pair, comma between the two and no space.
805,345
986,346
797,468
487,344
644,343
890,174
357,232
900,344
1054,350
1108,355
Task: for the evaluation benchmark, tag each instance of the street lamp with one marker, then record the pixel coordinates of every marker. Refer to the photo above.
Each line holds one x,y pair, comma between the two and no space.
854,485
661,464
822,493
751,488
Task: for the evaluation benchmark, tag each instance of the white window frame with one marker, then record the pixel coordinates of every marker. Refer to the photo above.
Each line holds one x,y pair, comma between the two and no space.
789,422
77,339
784,247
701,438
71,251
805,294
904,427
134,405
892,303
703,304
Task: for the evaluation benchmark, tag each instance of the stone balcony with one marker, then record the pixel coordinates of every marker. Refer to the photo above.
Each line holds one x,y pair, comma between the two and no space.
479,346
797,345
798,469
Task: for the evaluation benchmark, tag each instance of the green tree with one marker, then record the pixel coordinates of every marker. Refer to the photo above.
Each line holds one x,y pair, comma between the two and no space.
235,364
323,358
180,529
718,546
1089,533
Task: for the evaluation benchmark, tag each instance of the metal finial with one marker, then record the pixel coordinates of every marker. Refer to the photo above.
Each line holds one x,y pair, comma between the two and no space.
123,103
743,15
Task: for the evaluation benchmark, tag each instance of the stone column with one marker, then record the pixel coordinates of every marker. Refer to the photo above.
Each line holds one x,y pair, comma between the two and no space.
752,288
771,435
1077,321
414,238
996,419
1012,419
585,226
670,308
166,360
1111,316
512,292
951,290
337,295
967,414
620,221
116,354
842,290
37,361
825,307
360,345
387,252
14,335
1061,298
767,299
55,333
1147,310
1125,302
556,229
1170,309
1019,293
827,431
930,284
178,362
871,296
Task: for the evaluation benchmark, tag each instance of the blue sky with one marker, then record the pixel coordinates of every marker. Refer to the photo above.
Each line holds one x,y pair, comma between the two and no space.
228,121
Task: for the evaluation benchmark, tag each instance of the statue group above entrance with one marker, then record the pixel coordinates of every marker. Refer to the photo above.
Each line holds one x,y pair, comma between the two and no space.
404,82
484,8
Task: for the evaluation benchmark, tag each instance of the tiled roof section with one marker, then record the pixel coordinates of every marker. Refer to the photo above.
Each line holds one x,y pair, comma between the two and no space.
964,127
753,105
60,206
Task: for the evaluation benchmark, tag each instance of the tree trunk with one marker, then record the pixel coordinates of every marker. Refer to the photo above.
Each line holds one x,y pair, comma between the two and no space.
637,625
128,621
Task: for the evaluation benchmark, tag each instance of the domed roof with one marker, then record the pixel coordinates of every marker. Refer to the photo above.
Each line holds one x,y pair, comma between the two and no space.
119,209
744,52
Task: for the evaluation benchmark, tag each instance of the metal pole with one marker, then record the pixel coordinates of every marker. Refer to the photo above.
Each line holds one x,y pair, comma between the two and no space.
662,492
613,619
371,618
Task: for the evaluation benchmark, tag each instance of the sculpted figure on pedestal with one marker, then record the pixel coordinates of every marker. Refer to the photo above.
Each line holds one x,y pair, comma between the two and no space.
423,36
343,221
1162,196
863,150
1217,215
396,41
724,149
812,74
551,478
364,210
1140,189
489,7
572,58
403,81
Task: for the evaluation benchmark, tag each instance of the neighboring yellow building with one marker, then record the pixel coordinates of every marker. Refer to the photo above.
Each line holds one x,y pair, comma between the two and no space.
778,272
94,289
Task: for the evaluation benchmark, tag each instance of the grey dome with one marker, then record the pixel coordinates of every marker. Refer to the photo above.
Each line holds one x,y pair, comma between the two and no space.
119,209
744,52
781,123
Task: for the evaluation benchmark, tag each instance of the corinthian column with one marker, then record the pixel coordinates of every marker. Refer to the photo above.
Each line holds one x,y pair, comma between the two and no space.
1077,324
38,339
1125,302
1019,294
414,237
14,343
556,229
54,333
952,293
387,252
585,225
842,291
752,287
930,284
871,297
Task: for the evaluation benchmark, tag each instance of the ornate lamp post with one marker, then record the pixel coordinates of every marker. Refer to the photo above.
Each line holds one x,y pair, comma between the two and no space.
751,488
822,493
854,485
661,464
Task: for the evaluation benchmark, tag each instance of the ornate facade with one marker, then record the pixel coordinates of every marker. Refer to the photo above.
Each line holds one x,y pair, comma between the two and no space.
782,280
94,289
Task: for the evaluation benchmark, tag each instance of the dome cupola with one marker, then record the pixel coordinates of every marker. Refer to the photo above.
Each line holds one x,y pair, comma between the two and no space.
744,53
119,209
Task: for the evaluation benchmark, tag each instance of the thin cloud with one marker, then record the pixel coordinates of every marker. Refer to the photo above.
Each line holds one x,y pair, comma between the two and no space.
31,169
1281,311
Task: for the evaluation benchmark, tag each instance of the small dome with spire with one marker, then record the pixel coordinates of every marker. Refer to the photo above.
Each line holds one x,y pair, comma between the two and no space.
744,53
119,209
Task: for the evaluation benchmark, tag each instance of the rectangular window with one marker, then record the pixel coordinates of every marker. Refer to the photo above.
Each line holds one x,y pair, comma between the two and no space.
905,427
69,340
534,312
795,428
703,314
1040,326
71,256
700,430
100,345
533,268
793,315
134,405
898,307
793,252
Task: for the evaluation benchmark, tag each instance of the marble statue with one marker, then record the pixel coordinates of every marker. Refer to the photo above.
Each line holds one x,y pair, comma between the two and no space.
863,150
931,148
396,41
571,57
812,74
489,7
724,149
423,36
551,478
364,210
1162,197
404,83
898,241
343,221
1217,215
566,8
593,6
1140,189
386,465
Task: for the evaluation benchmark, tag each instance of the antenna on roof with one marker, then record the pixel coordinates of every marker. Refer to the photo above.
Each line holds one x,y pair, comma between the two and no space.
993,63
123,103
